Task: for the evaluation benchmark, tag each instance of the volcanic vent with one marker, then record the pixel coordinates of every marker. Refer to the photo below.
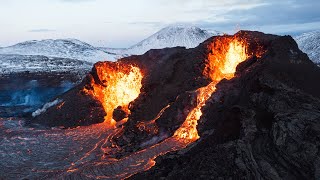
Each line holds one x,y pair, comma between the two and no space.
115,86
222,62
166,99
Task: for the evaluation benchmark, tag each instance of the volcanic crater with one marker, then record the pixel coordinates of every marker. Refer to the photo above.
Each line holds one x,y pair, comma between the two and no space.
237,106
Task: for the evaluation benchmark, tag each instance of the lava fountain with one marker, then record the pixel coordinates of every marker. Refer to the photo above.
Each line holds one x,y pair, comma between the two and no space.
119,85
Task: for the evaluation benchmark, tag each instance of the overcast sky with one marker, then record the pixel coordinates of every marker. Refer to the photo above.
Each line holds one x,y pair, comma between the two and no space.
121,23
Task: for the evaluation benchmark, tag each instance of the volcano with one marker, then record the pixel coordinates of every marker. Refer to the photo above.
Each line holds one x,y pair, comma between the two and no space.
242,106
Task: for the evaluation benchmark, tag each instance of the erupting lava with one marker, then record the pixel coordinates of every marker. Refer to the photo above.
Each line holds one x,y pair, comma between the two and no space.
169,92
119,85
226,55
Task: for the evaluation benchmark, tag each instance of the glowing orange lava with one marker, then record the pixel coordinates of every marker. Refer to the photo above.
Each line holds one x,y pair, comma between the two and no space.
119,85
226,55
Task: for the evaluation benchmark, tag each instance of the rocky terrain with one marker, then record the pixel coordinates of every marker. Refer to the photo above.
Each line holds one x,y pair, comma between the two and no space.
261,124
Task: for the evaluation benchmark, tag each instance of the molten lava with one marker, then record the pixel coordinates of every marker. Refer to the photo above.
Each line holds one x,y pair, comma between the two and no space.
222,62
225,55
119,85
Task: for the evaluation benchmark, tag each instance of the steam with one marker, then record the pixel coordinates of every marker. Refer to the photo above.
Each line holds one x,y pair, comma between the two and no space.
34,94
155,139
19,97
45,107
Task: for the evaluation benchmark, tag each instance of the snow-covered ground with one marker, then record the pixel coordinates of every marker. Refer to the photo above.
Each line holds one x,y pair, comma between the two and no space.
310,43
10,63
63,48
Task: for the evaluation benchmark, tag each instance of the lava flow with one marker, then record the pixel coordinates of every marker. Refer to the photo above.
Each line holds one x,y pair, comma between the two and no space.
226,55
120,84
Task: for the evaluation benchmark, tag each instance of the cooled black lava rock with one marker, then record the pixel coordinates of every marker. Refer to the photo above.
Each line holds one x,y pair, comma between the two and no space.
119,114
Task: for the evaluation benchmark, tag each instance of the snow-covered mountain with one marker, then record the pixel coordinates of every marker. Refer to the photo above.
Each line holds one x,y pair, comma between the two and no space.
310,43
66,54
171,36
63,48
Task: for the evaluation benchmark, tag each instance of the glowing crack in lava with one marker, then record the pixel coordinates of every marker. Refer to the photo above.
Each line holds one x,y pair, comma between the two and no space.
226,55
120,84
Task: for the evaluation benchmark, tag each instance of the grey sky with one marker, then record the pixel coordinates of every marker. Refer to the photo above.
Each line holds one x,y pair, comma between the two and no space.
122,23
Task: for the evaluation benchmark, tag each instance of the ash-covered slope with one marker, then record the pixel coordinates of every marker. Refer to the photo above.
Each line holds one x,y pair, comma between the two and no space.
261,124
62,48
310,43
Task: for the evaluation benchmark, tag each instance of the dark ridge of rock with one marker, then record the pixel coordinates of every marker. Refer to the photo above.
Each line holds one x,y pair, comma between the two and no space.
168,73
263,124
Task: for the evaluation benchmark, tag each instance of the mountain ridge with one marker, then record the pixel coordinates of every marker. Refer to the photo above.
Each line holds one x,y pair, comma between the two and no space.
188,36
171,36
